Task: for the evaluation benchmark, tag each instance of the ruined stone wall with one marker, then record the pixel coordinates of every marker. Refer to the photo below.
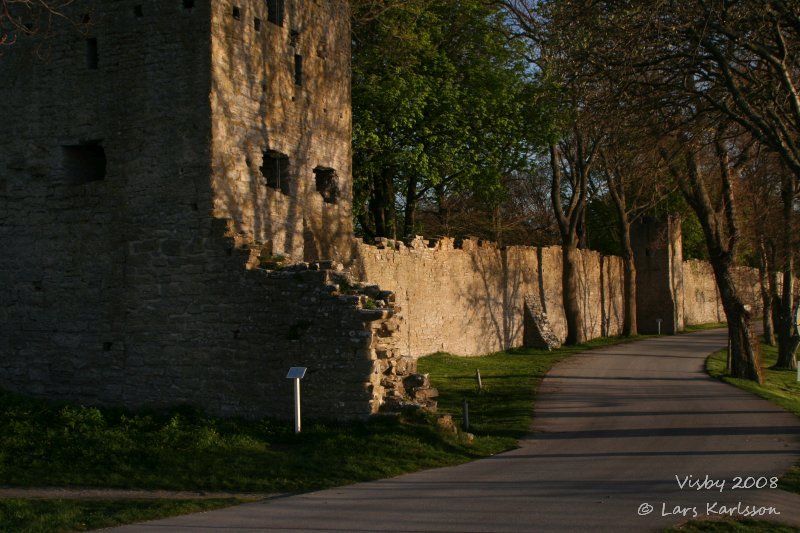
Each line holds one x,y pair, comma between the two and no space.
104,169
469,299
123,278
280,102
160,161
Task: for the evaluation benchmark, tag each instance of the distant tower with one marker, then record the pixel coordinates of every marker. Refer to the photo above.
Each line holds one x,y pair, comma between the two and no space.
658,254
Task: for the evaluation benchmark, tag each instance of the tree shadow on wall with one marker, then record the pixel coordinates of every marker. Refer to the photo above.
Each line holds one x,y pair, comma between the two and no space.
495,294
265,99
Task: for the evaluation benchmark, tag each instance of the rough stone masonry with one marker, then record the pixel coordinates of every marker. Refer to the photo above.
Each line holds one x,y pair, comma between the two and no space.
175,224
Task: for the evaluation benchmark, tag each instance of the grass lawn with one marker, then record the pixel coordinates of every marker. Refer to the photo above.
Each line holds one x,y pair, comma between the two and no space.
60,444
701,327
41,516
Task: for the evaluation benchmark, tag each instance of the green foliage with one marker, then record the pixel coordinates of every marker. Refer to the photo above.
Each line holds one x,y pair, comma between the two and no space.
441,99
55,516
694,242
603,228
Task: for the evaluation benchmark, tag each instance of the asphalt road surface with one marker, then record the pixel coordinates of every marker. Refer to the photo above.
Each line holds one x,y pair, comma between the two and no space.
623,439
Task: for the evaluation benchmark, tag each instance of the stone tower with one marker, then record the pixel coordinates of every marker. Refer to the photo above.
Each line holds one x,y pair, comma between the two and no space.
151,156
658,254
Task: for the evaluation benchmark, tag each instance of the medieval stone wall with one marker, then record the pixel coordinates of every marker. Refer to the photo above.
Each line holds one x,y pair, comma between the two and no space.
122,279
702,300
280,103
161,161
469,299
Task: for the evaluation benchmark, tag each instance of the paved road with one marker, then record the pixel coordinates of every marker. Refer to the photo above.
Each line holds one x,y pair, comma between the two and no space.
614,427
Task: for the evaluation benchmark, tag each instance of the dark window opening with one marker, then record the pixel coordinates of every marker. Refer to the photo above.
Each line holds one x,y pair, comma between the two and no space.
83,163
275,12
138,11
294,38
91,53
188,4
276,170
298,70
237,13
257,24
327,184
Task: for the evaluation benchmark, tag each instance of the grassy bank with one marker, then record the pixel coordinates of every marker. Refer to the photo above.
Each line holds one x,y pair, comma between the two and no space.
46,516
59,444
729,525
702,327
780,387
502,411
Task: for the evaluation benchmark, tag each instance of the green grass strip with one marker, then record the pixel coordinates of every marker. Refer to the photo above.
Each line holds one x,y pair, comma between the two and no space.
729,525
703,327
55,516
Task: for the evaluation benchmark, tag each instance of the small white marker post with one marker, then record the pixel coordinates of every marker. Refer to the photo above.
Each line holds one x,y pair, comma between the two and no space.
296,373
658,320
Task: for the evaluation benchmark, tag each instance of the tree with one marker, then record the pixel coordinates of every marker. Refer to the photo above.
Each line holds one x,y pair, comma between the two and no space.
692,157
440,106
30,17
750,51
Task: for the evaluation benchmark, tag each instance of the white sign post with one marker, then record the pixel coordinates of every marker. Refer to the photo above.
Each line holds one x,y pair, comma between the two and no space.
296,373
659,325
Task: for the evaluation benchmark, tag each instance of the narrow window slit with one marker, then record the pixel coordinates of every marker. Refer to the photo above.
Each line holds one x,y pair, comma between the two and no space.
327,184
92,58
275,170
298,70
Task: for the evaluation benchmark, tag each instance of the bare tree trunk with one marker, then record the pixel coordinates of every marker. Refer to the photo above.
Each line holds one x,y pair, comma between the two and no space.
568,221
381,204
629,325
766,295
745,352
722,235
788,339
411,207
773,281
